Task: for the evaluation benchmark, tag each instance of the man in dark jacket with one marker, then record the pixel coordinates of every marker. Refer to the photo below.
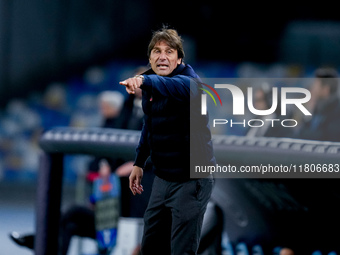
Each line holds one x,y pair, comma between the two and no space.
177,204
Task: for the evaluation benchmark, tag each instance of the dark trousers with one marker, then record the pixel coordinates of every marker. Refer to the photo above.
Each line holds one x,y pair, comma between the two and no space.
174,216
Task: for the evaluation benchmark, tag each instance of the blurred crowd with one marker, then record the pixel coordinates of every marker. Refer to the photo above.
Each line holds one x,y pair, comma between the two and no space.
84,100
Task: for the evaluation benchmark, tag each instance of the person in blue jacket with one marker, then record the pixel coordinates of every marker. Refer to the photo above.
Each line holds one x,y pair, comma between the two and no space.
173,134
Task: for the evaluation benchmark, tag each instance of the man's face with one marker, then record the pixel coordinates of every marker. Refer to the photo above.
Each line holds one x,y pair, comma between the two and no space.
164,59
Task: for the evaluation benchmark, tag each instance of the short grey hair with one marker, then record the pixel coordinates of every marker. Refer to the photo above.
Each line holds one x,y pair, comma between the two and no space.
114,98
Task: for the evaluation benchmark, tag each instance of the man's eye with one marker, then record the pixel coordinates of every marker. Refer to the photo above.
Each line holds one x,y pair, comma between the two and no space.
169,51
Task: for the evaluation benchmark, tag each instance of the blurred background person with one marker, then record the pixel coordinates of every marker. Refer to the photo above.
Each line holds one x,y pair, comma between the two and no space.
325,120
111,104
132,113
263,100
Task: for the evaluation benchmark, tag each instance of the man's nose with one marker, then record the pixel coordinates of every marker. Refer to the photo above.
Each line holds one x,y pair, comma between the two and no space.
162,56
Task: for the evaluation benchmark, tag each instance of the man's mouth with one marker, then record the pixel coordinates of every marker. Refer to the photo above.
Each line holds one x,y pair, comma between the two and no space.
162,66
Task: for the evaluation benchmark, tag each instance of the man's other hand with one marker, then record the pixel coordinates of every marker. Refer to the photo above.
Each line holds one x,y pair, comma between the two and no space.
135,180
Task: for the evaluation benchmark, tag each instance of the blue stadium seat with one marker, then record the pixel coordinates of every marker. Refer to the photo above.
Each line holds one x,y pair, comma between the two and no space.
241,249
228,249
276,250
257,250
332,253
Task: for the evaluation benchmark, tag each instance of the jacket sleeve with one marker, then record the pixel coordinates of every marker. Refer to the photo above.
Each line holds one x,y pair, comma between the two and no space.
143,149
179,87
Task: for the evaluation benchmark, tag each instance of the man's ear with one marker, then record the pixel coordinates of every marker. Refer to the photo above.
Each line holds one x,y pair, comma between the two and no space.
179,61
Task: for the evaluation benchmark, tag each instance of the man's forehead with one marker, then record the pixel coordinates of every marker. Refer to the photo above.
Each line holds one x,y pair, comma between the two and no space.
162,43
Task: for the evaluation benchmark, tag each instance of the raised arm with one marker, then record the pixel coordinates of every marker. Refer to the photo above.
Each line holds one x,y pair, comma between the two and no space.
179,87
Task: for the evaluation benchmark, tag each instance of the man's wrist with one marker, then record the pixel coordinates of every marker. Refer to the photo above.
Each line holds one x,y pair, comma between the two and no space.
138,165
140,76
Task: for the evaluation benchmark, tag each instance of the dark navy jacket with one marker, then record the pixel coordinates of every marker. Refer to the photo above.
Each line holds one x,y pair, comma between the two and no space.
168,104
